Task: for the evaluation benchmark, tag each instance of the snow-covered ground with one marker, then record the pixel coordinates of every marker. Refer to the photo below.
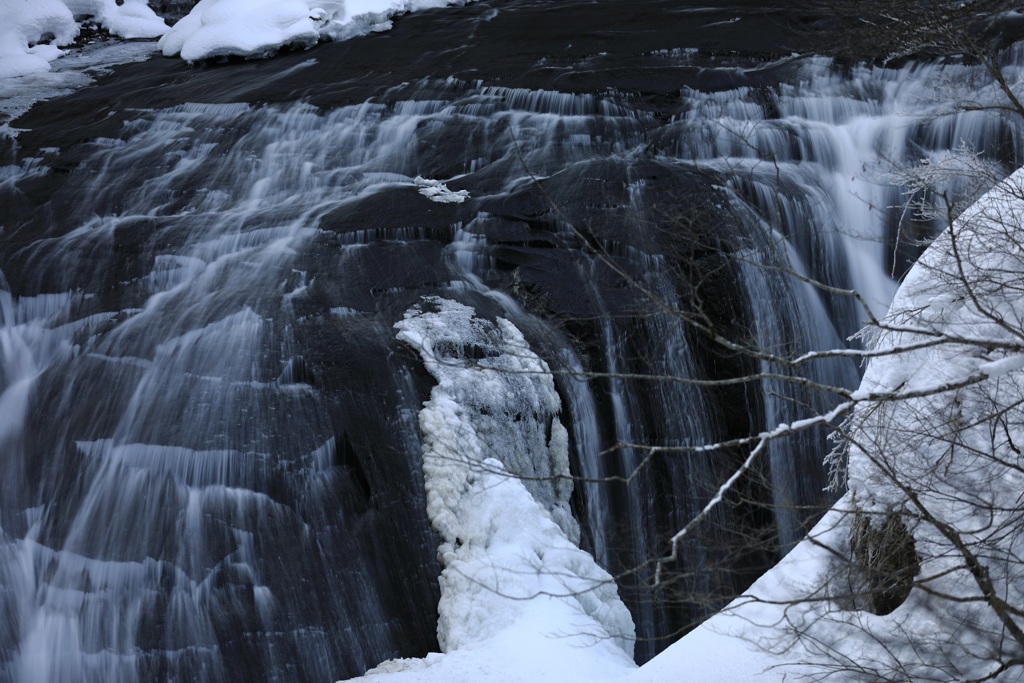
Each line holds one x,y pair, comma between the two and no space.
933,455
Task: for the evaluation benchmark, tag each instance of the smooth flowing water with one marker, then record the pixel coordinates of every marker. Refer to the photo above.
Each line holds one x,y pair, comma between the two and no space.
211,464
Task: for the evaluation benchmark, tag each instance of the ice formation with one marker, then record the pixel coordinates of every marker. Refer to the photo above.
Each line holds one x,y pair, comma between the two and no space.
436,191
496,470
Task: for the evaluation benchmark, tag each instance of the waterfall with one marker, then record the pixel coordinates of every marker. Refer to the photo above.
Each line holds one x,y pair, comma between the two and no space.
182,499
212,466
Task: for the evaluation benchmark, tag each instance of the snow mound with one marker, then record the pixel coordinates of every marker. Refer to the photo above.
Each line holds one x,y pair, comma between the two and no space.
944,465
250,28
25,25
519,600
258,28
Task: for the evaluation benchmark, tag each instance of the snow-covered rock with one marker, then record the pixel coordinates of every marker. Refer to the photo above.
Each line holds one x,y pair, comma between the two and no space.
26,24
32,31
127,18
251,28
257,28
520,602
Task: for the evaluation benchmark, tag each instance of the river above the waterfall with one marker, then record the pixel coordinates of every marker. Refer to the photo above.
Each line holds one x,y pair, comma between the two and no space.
212,456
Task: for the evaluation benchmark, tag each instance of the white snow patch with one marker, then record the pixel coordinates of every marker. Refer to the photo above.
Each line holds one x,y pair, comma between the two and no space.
32,33
1003,365
75,70
436,191
251,28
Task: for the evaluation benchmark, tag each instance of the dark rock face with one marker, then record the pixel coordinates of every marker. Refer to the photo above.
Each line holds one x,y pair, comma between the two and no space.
886,561
221,433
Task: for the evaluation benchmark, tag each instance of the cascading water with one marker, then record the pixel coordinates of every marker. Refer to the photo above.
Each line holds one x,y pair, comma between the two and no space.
211,462
196,515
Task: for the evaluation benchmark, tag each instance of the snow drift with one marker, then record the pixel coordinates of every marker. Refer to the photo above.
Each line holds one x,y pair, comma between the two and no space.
25,28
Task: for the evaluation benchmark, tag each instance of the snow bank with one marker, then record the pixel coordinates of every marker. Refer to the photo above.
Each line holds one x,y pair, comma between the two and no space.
257,28
33,30
519,600
948,462
252,28
17,95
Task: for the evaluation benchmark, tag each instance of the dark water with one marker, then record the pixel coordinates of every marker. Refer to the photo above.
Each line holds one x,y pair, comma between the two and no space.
210,454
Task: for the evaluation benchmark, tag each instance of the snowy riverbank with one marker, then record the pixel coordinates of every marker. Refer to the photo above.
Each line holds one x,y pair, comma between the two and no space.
35,32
